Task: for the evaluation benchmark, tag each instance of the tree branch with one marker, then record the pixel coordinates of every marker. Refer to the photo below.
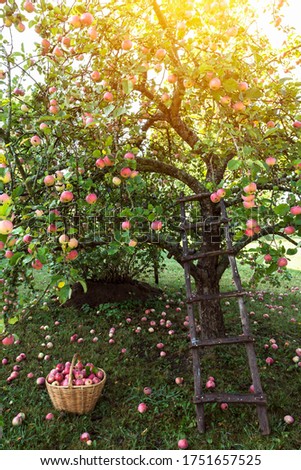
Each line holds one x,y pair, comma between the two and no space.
155,166
224,263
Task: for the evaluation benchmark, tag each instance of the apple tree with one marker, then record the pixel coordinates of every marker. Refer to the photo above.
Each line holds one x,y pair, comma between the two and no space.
121,105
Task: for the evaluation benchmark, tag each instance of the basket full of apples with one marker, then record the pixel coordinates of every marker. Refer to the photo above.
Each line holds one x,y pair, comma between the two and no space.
75,387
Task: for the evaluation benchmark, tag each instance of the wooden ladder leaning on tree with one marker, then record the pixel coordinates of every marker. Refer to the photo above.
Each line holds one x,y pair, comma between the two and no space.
200,398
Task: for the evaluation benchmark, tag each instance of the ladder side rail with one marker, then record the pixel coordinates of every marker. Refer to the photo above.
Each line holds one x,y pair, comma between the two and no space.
261,410
192,330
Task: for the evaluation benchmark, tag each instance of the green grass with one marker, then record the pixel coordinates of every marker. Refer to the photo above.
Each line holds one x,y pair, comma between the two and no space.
115,423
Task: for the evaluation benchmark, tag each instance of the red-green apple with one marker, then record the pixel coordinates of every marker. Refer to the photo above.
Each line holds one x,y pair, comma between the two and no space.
6,227
49,180
86,19
91,198
215,84
66,196
156,225
126,225
35,140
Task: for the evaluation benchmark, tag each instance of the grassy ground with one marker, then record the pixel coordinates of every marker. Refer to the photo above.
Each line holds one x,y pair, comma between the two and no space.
115,423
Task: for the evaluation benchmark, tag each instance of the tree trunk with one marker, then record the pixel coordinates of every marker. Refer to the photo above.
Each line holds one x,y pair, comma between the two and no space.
210,311
207,276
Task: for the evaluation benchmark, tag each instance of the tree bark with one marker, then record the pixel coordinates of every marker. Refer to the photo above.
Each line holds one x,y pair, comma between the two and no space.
207,277
210,312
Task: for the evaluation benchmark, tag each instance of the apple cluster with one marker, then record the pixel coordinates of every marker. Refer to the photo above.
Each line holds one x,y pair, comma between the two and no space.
82,374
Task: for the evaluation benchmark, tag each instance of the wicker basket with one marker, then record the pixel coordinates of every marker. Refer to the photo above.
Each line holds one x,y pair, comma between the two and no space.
75,399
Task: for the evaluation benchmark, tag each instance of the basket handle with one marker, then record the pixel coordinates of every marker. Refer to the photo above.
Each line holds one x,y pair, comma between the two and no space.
76,356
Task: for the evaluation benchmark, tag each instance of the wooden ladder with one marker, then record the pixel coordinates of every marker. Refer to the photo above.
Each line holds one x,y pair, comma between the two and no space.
200,398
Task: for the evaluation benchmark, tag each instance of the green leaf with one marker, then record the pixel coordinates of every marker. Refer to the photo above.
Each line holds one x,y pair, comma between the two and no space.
260,164
271,131
126,213
292,251
119,111
55,279
230,85
15,258
253,93
17,191
127,86
234,164
13,320
84,285
41,255
64,294
108,109
281,209
96,154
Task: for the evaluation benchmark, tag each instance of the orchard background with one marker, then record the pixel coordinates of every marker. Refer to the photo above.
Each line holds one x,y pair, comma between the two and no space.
119,107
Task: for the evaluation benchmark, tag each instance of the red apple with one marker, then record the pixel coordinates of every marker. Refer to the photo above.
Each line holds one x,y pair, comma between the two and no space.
215,198
125,172
86,19
243,86
289,230
35,140
91,198
251,223
142,408
282,262
295,210
215,84
66,196
226,100
6,227
108,96
172,78
183,444
126,45
93,34
28,6
95,76
58,52
37,264
126,225
100,163
239,106
49,180
27,238
8,340
73,254
156,225
271,161
160,54
73,243
251,188
75,21
129,156
107,161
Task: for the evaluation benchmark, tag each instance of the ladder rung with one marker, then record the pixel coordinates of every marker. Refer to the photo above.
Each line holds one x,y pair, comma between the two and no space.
217,341
220,295
193,197
254,398
205,223
209,253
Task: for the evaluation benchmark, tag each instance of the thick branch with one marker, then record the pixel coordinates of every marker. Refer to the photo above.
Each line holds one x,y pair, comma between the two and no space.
177,98
155,166
142,88
187,134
